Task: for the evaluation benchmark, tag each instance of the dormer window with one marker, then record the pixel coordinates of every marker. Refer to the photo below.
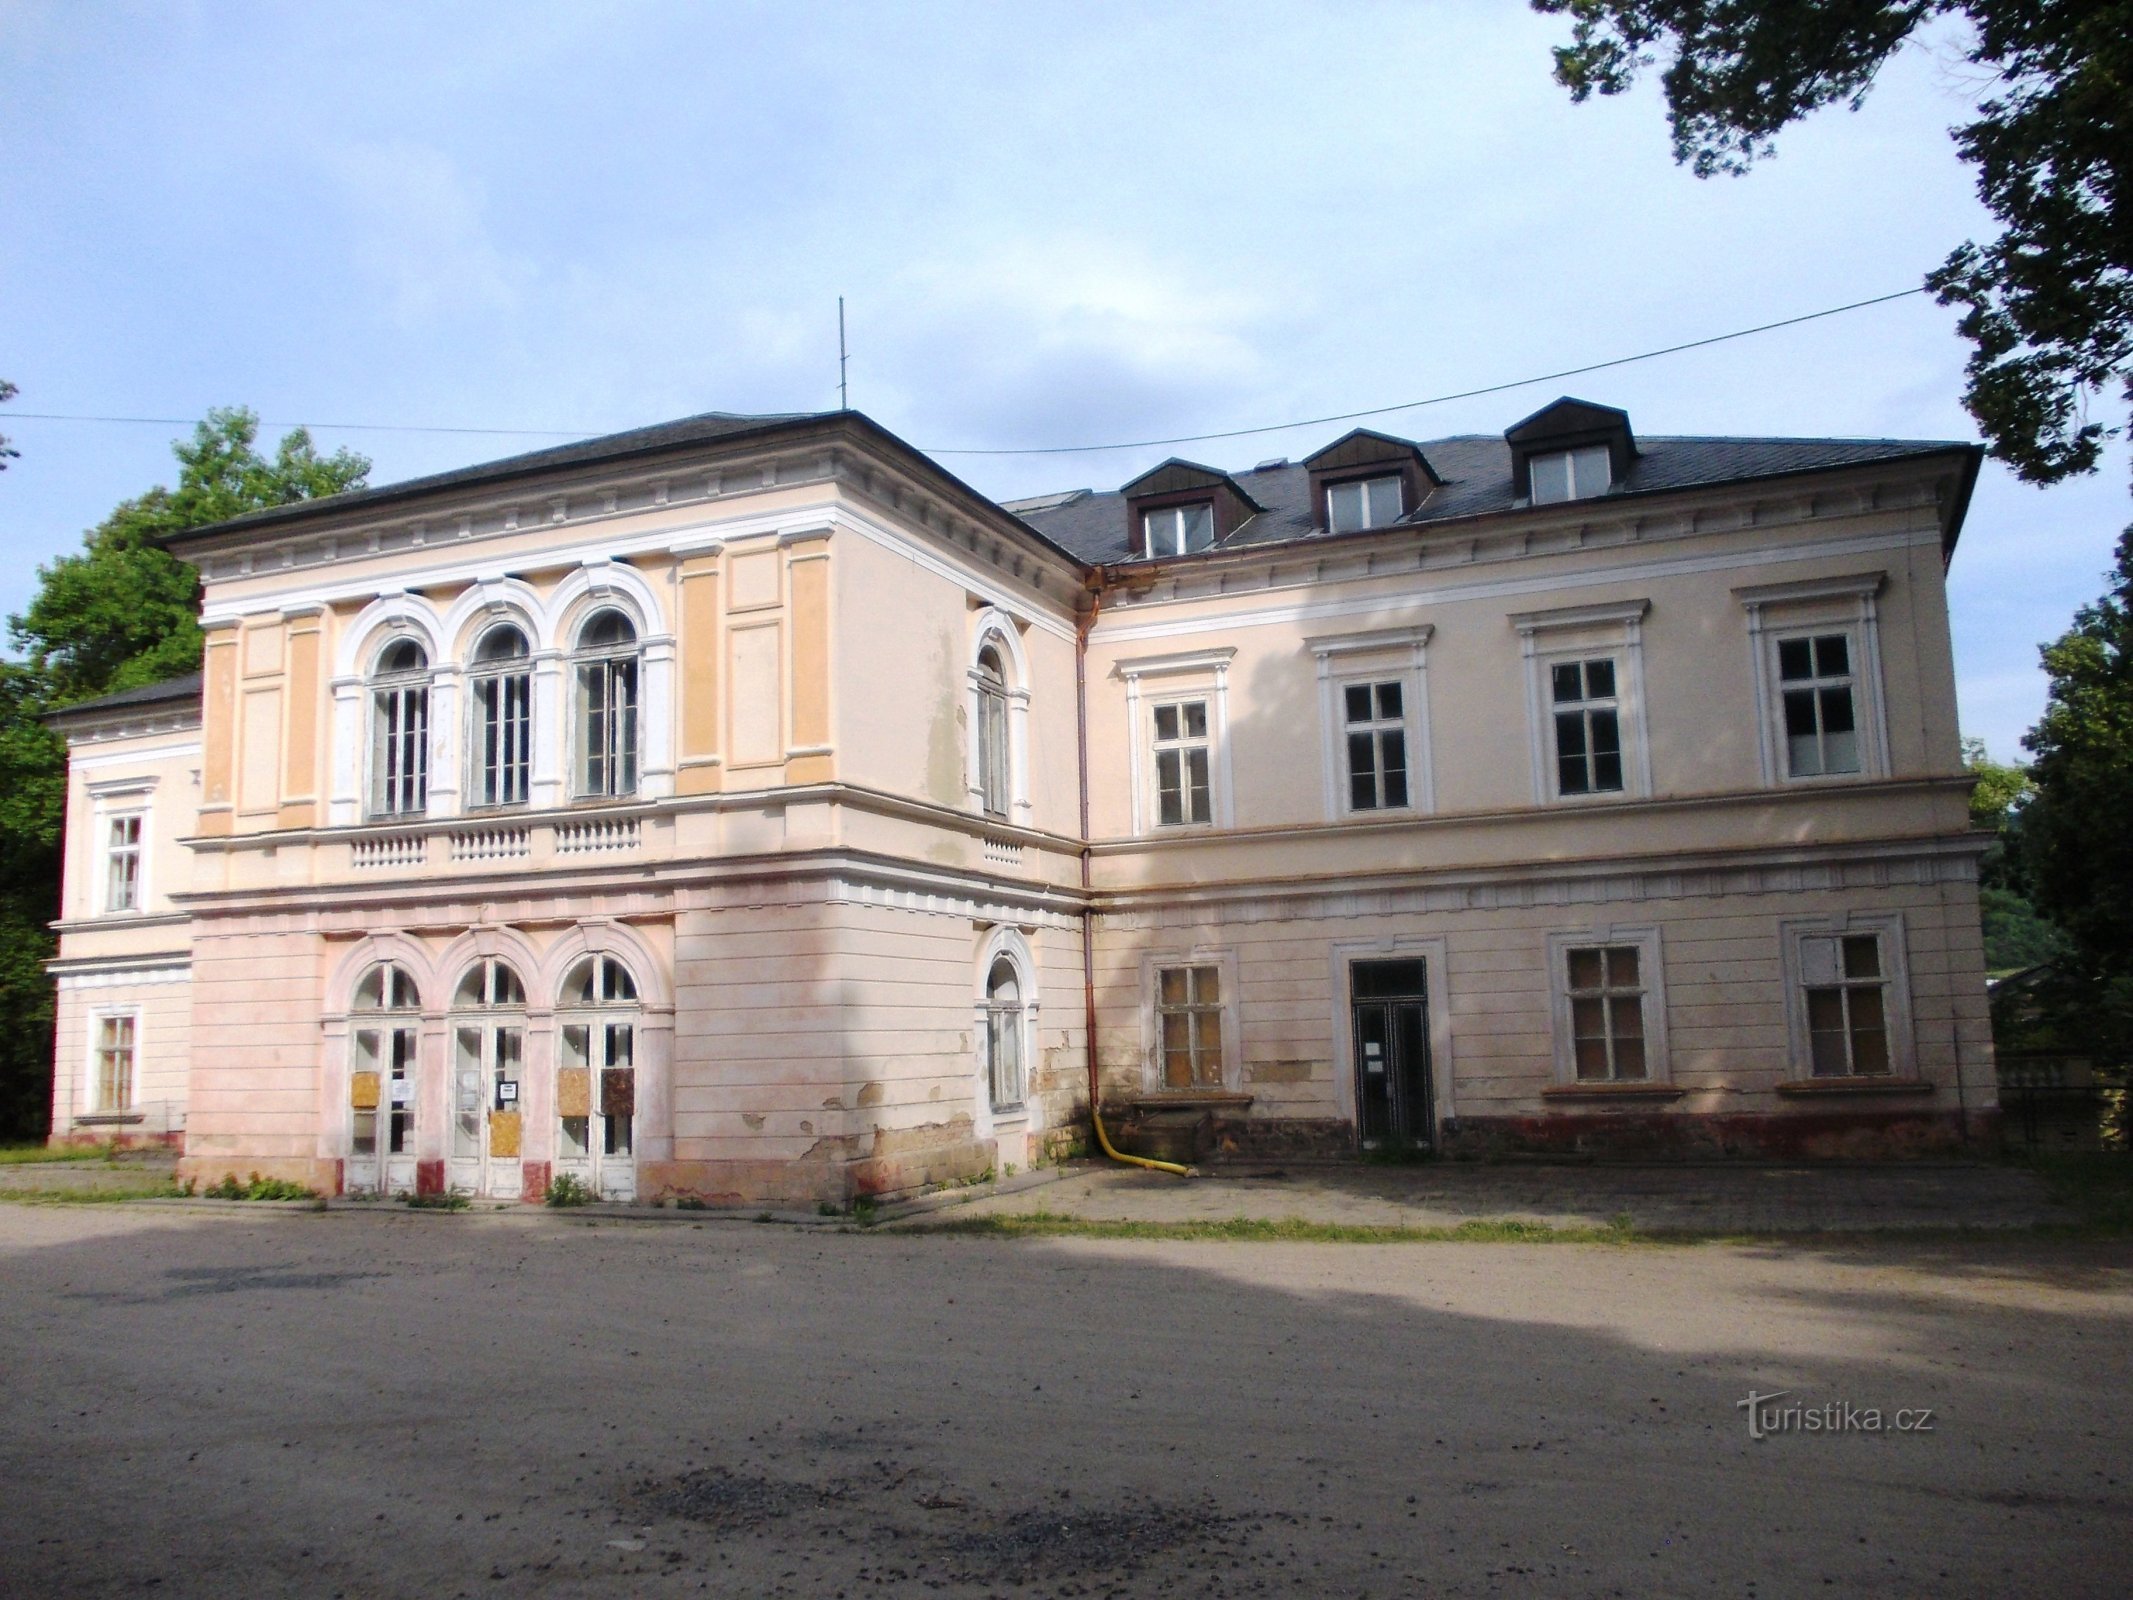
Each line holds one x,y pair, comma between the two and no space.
1178,530
1364,503
1571,474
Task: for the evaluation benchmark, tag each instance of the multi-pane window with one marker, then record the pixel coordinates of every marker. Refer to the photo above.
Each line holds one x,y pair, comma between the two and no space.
1183,793
1847,1005
502,689
606,678
596,1078
1821,720
1003,1034
1570,474
1588,727
385,1030
122,862
488,1059
1606,989
1178,530
1370,503
400,730
114,1062
1188,1016
992,734
1377,746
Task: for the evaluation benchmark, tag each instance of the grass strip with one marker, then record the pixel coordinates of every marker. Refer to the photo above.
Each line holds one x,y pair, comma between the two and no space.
37,1155
87,1197
1479,1230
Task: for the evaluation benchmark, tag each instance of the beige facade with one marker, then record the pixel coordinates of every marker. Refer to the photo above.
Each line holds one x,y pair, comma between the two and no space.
730,810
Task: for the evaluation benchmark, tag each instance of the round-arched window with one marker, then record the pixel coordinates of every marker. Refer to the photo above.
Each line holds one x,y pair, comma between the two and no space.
992,733
596,1078
400,729
604,672
1003,1034
383,1033
488,1057
501,683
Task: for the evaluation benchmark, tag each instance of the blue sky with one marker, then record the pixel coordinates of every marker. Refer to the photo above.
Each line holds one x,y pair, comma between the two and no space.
1053,224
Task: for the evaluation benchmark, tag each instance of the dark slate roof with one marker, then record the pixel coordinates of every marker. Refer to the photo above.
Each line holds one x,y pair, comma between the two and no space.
171,690
662,436
1477,473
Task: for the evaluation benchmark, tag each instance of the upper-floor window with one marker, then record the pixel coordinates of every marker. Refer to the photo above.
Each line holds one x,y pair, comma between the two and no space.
400,730
1368,503
1178,530
1588,727
606,662
122,862
993,782
1184,791
501,686
1570,474
1377,746
1816,684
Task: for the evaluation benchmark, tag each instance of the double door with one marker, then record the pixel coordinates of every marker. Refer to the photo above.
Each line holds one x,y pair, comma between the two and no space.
1393,1103
488,1109
596,1105
381,1135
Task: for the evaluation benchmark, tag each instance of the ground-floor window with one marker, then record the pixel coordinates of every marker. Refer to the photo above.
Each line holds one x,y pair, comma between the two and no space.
1606,990
1846,979
1188,1011
1003,1034
115,1036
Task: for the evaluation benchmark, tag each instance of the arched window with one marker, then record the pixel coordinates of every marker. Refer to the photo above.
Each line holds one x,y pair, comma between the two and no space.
502,692
384,1029
1003,1034
606,680
488,1053
400,730
596,1079
993,783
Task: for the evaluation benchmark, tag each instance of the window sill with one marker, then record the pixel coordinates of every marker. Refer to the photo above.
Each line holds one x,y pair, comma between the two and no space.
109,1119
1185,1099
1613,1091
1881,1084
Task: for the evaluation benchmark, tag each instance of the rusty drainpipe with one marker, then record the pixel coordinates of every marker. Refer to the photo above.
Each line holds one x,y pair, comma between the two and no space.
1088,915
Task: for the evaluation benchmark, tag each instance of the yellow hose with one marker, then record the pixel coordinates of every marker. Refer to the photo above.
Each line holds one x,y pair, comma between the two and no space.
1104,1139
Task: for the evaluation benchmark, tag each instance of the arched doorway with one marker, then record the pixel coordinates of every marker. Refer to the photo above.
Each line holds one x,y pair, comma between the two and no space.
597,1016
384,1031
488,1060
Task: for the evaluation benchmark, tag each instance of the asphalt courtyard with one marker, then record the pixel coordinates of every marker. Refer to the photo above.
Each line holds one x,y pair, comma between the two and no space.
387,1403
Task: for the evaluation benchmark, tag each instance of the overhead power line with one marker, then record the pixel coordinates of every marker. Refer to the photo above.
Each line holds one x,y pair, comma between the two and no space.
1057,449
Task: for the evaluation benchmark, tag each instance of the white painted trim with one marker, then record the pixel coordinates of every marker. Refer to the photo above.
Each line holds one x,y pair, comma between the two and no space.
1224,959
390,614
1414,677
992,623
1387,599
1896,1005
1003,940
93,1020
1651,960
1342,954
128,758
1863,628
174,969
1615,631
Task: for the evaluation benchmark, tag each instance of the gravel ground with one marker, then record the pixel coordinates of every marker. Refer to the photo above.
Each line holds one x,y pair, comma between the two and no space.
394,1404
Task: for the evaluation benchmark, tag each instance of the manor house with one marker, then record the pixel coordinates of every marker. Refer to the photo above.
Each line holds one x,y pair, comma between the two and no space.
746,808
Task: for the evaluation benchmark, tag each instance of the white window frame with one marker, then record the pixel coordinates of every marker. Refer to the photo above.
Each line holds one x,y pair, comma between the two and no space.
1651,973
1175,514
1011,943
1577,464
93,1073
1224,961
1776,612
1390,654
377,684
1585,633
1888,927
490,674
109,800
605,658
1205,676
1366,485
1003,633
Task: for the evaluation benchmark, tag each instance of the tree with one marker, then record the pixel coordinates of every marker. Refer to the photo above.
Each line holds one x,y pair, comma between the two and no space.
119,614
2075,843
2049,302
7,451
2016,935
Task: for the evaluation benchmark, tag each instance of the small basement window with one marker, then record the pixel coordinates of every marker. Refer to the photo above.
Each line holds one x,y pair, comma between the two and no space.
1570,475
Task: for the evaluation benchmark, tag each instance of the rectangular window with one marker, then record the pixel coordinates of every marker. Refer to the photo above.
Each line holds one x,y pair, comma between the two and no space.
1606,989
114,1063
1183,795
122,863
607,722
503,733
1372,503
992,747
1178,530
1847,1005
1588,727
1570,475
1377,746
1188,1014
1821,722
399,756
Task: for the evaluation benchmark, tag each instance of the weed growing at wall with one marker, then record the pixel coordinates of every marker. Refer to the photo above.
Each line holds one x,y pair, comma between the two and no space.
256,1188
568,1189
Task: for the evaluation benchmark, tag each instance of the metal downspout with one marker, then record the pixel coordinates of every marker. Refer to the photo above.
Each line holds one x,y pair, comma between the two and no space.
1088,914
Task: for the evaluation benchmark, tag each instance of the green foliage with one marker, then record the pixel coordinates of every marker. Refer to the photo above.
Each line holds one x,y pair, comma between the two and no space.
450,1200
568,1189
256,1188
2016,934
32,1155
118,614
2049,301
2076,846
